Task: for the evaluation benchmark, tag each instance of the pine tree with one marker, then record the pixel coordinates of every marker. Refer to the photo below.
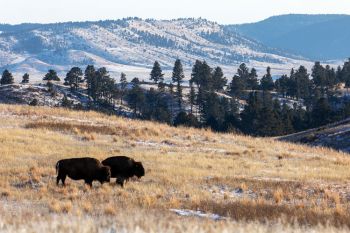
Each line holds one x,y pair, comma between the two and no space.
196,72
266,81
202,76
252,81
89,76
177,78
243,72
218,79
185,119
338,75
268,120
6,78
25,78
303,84
287,119
156,73
331,79
51,76
319,76
321,112
192,97
123,86
73,78
282,85
171,101
236,86
250,114
136,96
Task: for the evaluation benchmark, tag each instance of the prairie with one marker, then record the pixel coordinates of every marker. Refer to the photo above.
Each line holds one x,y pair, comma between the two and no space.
252,184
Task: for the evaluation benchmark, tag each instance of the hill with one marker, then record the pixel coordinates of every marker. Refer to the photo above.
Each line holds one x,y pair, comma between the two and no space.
196,180
334,135
317,37
131,45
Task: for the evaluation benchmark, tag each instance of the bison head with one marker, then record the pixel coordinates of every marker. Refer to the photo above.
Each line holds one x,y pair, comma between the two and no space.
139,171
105,174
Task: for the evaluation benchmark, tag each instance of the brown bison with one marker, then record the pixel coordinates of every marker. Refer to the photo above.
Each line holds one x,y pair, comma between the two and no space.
87,169
123,168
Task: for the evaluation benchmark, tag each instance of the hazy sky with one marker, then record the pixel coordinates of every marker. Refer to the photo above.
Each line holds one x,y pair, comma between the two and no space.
222,11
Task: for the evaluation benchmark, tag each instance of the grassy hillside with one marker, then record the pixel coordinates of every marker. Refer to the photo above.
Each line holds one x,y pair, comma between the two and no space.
254,184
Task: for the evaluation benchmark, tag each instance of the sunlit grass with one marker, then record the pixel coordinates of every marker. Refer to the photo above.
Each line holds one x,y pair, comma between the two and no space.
282,183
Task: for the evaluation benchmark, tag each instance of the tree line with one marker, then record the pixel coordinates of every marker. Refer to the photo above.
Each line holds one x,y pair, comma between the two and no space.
247,104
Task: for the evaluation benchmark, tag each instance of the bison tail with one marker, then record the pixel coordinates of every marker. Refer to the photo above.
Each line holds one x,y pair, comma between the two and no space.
57,167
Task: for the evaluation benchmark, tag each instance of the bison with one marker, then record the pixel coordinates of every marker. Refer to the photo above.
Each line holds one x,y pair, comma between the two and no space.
123,168
87,169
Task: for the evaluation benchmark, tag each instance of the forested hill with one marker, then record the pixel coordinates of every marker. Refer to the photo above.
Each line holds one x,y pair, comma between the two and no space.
130,45
317,37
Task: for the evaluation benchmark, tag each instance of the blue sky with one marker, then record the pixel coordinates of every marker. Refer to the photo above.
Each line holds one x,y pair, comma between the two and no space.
222,11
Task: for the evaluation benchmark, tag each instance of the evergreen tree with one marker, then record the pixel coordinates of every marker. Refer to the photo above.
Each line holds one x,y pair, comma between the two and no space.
184,119
252,81
251,114
218,79
136,96
287,120
177,78
321,112
345,74
244,75
202,76
105,88
300,118
73,78
282,85
266,81
25,78
123,86
196,72
171,93
156,73
268,123
51,76
232,119
6,78
319,76
302,82
331,79
338,75
89,76
212,112
192,97
236,86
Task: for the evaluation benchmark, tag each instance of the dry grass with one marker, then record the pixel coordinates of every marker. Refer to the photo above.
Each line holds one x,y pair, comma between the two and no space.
250,181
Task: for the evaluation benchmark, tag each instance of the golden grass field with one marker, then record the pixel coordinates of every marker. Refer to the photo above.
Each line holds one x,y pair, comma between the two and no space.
255,184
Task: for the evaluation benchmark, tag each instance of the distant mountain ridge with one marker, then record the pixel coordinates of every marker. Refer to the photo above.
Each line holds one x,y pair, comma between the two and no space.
317,37
131,44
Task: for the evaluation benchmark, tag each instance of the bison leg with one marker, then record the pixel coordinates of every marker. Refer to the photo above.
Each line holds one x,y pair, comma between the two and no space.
61,177
89,182
120,181
63,180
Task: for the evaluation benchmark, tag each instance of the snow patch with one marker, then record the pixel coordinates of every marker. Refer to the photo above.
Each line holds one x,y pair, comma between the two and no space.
197,213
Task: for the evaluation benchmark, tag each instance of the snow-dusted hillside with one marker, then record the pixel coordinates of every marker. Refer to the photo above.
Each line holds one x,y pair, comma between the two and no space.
131,46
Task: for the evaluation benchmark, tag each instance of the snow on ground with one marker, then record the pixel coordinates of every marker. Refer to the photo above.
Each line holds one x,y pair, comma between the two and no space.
197,213
132,47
